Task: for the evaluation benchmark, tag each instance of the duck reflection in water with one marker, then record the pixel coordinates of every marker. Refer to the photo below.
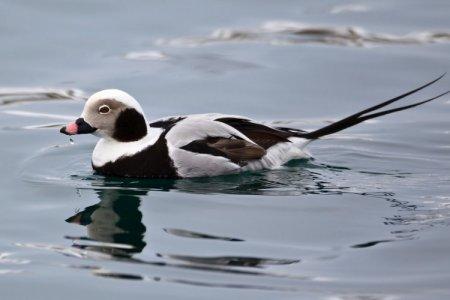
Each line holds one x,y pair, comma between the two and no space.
114,225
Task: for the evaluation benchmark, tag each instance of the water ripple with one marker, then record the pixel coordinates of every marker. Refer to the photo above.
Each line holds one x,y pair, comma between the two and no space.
9,96
292,33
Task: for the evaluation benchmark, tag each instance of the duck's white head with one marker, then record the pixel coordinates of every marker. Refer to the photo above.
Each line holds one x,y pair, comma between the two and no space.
110,114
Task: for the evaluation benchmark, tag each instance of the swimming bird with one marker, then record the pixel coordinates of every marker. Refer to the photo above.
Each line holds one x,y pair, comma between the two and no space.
197,145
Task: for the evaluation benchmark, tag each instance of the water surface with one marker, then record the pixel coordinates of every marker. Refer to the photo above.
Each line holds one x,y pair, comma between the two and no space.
366,217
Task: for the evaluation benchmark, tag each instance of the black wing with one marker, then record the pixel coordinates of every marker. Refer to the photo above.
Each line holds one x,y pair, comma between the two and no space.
262,135
166,123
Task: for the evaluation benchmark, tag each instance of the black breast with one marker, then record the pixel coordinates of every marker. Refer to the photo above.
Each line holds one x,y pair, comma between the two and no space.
152,162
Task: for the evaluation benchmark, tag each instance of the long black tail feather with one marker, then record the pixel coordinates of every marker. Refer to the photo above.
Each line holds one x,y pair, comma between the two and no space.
363,115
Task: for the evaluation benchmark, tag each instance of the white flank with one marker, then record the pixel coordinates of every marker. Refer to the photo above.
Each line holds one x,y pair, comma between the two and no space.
280,154
190,164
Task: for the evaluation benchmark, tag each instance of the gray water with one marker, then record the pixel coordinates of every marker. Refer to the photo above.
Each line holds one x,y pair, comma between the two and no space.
367,217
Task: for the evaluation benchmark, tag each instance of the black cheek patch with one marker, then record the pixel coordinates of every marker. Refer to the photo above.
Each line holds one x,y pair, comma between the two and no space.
130,126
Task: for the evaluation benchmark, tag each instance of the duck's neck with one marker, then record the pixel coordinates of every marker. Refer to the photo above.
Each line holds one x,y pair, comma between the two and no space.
109,149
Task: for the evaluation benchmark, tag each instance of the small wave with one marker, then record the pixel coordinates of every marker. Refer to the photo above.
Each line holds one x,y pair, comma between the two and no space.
361,296
349,8
8,271
32,114
199,235
31,127
57,120
230,265
291,33
233,261
198,283
10,96
146,55
5,258
209,63
370,244
230,285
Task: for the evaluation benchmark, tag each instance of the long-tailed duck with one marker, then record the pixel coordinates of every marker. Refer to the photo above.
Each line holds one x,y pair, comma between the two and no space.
196,145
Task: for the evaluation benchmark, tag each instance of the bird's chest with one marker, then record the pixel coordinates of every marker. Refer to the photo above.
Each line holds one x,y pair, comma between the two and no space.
142,161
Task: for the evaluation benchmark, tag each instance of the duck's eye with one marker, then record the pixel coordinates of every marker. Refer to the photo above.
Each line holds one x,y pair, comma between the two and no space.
104,109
